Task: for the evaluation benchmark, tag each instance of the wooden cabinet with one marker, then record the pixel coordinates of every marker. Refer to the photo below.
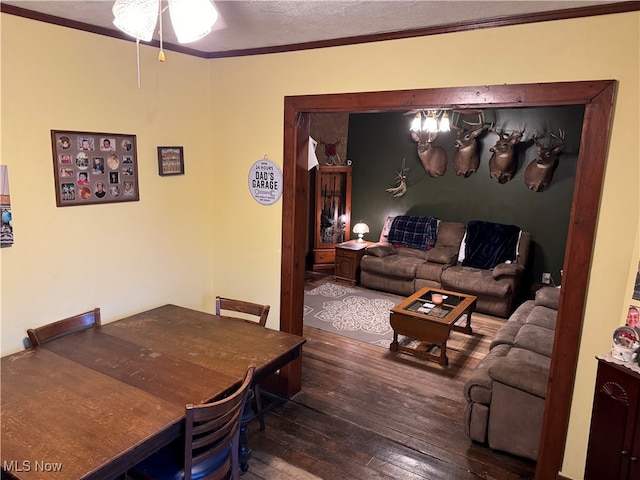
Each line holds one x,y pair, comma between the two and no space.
614,439
348,257
333,214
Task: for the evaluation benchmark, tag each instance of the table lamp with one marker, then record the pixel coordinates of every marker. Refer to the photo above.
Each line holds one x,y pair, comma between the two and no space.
361,229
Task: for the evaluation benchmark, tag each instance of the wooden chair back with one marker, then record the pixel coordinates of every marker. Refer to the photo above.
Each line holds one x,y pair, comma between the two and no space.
213,427
51,331
228,304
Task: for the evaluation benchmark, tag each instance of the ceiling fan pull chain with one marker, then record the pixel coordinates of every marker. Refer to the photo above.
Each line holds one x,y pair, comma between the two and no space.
138,59
161,57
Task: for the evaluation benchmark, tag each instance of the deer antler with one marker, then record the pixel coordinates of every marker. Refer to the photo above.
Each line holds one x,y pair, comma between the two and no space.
556,140
401,179
480,122
492,129
560,137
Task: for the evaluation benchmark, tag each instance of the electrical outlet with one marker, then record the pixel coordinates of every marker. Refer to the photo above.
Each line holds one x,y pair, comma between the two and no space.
546,277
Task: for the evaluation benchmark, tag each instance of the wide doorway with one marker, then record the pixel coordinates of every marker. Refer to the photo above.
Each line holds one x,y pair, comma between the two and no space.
598,100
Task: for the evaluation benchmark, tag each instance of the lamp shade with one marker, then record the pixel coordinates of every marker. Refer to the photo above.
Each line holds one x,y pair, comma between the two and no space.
137,18
361,229
192,19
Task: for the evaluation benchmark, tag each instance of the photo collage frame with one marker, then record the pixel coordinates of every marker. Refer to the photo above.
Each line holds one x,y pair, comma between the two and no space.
91,168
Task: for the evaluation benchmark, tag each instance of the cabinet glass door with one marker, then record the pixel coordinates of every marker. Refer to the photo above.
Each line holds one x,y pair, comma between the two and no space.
333,207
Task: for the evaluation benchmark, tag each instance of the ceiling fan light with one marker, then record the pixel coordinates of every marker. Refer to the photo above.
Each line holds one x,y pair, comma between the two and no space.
137,18
192,19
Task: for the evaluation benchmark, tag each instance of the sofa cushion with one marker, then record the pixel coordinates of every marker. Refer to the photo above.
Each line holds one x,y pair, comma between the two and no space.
507,333
450,234
386,283
380,249
411,252
475,281
536,339
429,271
442,255
391,266
522,369
548,297
543,317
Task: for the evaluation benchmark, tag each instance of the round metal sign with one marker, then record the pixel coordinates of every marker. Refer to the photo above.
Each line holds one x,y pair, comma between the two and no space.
265,181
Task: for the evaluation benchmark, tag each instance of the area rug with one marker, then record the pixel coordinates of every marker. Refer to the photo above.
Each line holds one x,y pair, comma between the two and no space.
351,311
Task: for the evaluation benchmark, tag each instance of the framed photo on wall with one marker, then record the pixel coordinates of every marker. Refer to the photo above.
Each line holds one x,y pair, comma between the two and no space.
170,161
93,167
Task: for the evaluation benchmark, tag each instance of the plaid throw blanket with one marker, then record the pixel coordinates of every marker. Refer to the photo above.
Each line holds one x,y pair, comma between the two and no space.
413,231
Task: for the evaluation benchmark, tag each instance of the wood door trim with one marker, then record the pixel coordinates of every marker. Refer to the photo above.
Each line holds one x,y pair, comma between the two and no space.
596,96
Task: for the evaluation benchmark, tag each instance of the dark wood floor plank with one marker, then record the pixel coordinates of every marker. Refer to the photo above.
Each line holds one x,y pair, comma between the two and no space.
393,458
367,413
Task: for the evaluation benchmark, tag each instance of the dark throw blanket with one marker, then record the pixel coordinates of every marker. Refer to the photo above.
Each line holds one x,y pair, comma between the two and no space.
489,244
413,231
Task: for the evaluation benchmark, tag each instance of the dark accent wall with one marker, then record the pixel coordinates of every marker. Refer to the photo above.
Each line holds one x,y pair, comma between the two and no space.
378,142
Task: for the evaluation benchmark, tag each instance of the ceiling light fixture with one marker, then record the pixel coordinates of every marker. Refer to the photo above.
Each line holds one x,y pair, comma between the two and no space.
431,121
191,20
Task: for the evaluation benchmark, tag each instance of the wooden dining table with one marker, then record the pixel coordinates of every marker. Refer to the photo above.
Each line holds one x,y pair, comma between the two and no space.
92,404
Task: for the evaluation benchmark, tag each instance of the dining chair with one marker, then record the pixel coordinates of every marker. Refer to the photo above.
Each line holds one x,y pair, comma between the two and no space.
256,310
51,331
210,447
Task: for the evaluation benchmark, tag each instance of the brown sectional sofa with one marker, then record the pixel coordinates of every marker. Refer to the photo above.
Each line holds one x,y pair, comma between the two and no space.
506,392
404,271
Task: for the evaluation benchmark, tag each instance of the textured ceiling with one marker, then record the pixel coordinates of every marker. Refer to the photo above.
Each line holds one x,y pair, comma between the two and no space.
263,23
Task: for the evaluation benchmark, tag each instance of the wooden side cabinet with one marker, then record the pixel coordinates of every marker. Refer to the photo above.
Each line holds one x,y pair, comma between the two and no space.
348,256
614,439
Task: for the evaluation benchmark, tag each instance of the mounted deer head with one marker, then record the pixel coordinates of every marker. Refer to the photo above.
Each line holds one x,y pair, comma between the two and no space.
503,163
433,158
539,172
466,158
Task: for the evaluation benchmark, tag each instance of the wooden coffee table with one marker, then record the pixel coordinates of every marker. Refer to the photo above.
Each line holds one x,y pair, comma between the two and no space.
419,318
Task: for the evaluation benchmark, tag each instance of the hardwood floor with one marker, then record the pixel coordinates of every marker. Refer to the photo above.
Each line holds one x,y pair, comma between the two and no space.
367,413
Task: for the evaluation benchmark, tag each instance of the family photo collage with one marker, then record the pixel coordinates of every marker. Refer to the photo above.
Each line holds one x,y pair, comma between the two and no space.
94,168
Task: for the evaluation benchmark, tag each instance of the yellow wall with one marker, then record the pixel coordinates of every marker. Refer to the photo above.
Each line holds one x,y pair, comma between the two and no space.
201,233
123,257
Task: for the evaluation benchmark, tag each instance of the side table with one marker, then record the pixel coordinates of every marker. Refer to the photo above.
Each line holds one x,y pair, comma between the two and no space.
348,255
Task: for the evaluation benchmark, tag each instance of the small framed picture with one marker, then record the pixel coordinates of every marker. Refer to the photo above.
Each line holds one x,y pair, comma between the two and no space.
170,161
